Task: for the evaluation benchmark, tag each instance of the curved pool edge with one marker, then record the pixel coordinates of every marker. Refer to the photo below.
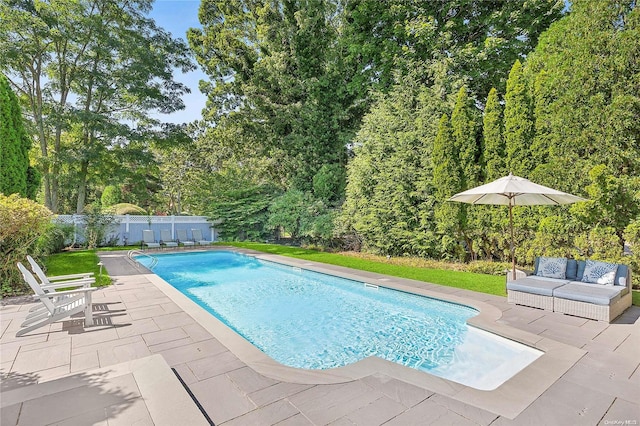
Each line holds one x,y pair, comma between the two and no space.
508,400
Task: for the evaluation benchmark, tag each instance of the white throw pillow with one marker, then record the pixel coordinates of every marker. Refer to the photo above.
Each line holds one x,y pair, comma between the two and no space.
552,267
599,272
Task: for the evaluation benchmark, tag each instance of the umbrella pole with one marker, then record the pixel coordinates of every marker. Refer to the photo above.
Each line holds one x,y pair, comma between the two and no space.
513,253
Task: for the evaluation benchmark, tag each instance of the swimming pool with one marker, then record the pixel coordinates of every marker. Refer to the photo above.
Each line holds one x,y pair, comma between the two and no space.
309,320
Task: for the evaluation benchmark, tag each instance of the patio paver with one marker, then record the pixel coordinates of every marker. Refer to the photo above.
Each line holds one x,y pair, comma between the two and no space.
140,392
137,320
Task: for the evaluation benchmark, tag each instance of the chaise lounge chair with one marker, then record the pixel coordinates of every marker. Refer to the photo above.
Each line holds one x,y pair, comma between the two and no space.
166,239
57,305
149,239
182,237
197,237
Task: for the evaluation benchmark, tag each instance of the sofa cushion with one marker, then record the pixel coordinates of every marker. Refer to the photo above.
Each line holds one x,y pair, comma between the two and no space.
536,285
621,275
552,267
622,289
572,270
589,293
599,272
581,265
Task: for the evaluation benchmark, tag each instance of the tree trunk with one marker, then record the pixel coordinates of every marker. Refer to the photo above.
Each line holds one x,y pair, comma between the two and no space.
55,185
37,107
82,186
473,255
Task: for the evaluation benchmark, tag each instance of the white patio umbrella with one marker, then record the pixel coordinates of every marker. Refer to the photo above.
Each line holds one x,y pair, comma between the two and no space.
514,191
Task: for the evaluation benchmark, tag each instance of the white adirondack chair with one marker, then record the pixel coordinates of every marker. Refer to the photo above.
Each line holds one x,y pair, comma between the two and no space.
57,305
50,284
61,281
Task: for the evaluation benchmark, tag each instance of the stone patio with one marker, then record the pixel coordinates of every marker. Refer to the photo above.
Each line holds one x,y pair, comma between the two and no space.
138,325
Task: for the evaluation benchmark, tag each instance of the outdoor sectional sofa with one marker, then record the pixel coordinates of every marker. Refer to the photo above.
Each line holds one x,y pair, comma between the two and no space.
561,285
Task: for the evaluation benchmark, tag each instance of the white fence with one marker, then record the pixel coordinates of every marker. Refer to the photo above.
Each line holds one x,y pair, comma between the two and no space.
127,229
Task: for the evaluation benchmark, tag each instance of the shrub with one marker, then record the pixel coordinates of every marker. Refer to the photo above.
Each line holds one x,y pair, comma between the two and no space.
22,223
632,236
289,211
243,211
97,225
111,195
601,243
488,267
57,237
329,182
125,208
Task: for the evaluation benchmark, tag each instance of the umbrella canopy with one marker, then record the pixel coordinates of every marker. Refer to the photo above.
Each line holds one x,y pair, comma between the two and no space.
514,191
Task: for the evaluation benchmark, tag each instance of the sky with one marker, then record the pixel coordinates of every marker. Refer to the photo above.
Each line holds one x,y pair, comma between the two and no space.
176,17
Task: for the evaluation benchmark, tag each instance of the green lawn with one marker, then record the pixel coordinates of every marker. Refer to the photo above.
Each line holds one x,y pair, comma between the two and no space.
83,261
482,283
75,262
490,284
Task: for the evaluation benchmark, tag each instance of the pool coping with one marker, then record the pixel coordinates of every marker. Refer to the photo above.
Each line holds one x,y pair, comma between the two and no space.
508,400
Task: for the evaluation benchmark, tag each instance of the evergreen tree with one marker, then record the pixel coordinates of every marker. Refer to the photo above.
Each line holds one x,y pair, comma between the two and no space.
34,179
446,167
542,99
384,203
447,180
586,86
468,143
518,124
490,219
463,124
474,41
275,68
14,144
494,149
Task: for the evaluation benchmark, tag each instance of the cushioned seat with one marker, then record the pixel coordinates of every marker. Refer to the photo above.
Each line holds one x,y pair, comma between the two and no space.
590,289
536,285
589,293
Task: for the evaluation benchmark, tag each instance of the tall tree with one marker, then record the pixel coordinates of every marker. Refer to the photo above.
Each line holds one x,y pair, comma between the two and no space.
542,99
475,41
87,67
385,199
518,123
14,143
587,86
494,149
463,125
588,97
447,180
274,68
447,174
489,219
299,73
452,45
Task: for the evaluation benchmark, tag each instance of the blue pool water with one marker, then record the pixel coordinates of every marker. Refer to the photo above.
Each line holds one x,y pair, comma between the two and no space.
310,320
